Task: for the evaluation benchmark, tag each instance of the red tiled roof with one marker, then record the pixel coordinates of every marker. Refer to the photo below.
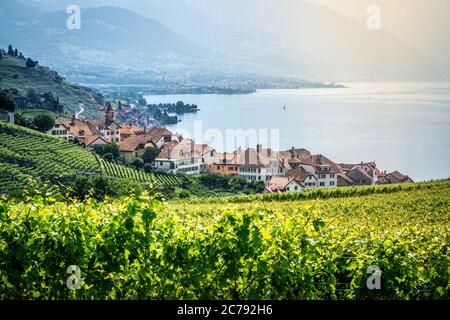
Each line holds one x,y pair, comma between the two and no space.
299,174
132,143
317,161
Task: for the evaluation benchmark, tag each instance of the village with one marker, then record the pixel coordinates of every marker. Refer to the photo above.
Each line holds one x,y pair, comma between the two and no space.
293,170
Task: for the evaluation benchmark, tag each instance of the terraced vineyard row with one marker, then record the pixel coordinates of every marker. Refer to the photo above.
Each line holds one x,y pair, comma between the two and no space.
25,154
119,171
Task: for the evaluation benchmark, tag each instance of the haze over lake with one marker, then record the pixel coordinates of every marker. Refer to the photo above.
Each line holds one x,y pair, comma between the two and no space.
403,126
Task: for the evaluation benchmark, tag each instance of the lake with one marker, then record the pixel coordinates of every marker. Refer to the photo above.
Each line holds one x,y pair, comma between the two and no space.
403,126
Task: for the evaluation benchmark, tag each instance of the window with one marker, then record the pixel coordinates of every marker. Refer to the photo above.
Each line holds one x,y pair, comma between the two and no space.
332,175
287,189
218,167
295,188
322,184
332,183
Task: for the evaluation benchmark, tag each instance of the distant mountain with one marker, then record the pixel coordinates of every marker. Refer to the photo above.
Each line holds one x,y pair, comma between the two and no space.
214,37
108,37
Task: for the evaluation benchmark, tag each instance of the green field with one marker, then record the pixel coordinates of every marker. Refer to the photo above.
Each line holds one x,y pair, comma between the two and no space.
14,74
26,154
317,248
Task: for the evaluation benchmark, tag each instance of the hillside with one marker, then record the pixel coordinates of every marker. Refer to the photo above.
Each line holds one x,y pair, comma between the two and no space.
15,74
295,250
26,154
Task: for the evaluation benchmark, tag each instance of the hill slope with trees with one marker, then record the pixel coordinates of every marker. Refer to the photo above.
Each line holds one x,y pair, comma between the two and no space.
33,86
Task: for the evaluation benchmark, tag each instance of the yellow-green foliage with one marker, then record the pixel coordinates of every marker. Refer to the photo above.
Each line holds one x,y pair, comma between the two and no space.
309,249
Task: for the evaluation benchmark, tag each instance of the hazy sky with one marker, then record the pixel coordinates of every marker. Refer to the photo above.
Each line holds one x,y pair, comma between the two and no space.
424,24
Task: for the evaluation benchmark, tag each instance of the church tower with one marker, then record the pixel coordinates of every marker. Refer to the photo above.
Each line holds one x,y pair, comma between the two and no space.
109,114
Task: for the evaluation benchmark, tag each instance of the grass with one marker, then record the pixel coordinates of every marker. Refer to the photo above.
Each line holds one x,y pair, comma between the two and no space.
14,74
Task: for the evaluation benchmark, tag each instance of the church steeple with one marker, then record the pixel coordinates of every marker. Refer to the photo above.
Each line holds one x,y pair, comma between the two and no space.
109,114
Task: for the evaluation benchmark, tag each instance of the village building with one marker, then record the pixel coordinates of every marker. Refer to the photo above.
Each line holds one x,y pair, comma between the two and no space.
184,156
259,164
129,130
162,136
61,130
92,141
107,128
343,180
325,170
283,184
307,179
76,129
134,147
224,163
395,177
359,174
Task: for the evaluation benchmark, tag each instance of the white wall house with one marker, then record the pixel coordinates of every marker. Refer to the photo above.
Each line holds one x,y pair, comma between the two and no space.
188,166
184,156
59,130
111,132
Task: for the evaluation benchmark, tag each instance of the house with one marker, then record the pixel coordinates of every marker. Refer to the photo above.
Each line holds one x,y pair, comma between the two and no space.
307,179
184,156
397,177
7,116
79,129
129,130
343,180
162,136
61,130
258,164
107,128
134,147
360,176
224,163
91,141
325,170
283,184
364,173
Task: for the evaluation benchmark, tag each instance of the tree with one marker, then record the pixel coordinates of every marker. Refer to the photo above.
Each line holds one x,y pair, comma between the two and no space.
109,152
142,101
16,53
257,186
6,103
138,163
32,95
237,183
150,154
30,63
43,122
10,50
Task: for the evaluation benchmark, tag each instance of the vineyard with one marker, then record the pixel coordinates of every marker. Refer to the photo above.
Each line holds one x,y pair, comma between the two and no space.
260,249
119,171
26,154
